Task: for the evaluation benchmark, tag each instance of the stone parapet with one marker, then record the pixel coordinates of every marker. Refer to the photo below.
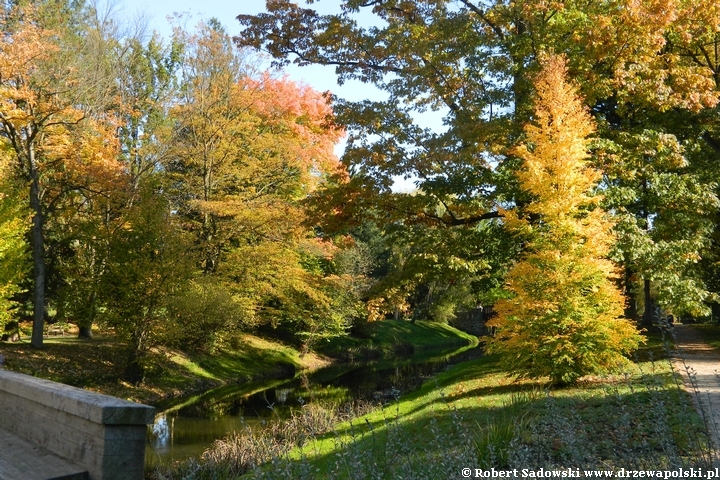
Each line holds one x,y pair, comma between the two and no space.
103,434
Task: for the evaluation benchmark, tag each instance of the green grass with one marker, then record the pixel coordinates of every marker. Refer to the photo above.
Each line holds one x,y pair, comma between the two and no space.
388,337
98,365
246,355
475,414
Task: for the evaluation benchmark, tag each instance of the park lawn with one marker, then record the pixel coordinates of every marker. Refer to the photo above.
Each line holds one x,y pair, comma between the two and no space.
468,415
389,337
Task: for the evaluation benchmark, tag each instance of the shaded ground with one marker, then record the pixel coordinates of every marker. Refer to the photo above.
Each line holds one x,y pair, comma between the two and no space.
699,365
98,364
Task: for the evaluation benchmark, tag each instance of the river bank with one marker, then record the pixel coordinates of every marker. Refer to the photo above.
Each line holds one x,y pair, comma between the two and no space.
476,416
187,426
97,364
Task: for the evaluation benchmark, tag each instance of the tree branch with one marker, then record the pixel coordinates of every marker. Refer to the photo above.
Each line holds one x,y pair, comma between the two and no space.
474,8
453,221
712,142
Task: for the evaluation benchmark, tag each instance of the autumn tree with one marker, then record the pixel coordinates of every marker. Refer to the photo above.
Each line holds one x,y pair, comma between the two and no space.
646,69
143,86
207,117
249,150
563,319
57,149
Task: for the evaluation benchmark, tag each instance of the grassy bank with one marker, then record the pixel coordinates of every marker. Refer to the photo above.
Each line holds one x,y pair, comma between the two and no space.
98,364
391,337
474,415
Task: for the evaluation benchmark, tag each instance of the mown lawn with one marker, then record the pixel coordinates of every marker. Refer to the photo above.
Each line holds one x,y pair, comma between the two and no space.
390,337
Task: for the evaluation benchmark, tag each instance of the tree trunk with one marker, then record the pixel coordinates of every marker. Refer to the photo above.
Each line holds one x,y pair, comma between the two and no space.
134,370
647,319
38,249
631,310
85,331
85,328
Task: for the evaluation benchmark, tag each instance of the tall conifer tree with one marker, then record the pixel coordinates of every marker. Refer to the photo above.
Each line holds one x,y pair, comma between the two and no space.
563,318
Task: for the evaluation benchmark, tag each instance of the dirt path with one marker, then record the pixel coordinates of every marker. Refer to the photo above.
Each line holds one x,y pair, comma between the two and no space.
699,365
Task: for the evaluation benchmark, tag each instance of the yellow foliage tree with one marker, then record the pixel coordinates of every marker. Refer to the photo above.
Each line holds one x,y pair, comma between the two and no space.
563,318
51,144
13,252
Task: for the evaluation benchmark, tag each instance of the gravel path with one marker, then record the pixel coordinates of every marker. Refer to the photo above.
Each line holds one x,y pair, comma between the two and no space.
699,365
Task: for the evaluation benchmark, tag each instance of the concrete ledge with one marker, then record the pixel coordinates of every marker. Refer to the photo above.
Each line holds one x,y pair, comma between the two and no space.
102,434
95,407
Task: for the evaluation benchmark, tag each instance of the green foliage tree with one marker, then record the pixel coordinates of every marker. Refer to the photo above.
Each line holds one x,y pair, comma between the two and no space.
150,269
433,273
665,211
14,260
640,66
563,319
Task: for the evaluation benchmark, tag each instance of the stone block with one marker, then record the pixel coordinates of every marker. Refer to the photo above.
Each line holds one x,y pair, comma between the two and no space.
102,434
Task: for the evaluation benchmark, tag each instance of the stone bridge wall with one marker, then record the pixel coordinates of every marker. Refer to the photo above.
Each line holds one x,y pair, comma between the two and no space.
104,435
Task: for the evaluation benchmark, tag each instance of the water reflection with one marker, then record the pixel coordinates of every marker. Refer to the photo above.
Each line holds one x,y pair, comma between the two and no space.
161,431
282,394
187,427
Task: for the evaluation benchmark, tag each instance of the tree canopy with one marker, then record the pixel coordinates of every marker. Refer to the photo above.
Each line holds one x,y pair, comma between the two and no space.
648,71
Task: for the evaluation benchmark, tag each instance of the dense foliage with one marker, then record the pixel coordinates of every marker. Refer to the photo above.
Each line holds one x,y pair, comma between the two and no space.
563,319
648,71
175,192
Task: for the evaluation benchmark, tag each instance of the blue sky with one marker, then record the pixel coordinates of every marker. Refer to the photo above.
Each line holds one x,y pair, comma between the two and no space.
318,77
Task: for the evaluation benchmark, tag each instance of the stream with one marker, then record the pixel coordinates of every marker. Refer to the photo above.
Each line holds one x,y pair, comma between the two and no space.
187,426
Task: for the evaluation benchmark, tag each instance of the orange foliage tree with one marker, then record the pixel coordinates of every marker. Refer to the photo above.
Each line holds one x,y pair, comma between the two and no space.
563,319
55,147
250,148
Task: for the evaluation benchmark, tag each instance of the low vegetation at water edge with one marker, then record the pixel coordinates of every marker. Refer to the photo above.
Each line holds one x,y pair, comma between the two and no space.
475,415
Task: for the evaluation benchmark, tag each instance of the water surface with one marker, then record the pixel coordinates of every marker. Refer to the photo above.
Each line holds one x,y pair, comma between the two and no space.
186,427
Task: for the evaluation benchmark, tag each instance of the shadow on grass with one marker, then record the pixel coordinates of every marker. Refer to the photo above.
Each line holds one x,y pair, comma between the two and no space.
69,360
617,429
